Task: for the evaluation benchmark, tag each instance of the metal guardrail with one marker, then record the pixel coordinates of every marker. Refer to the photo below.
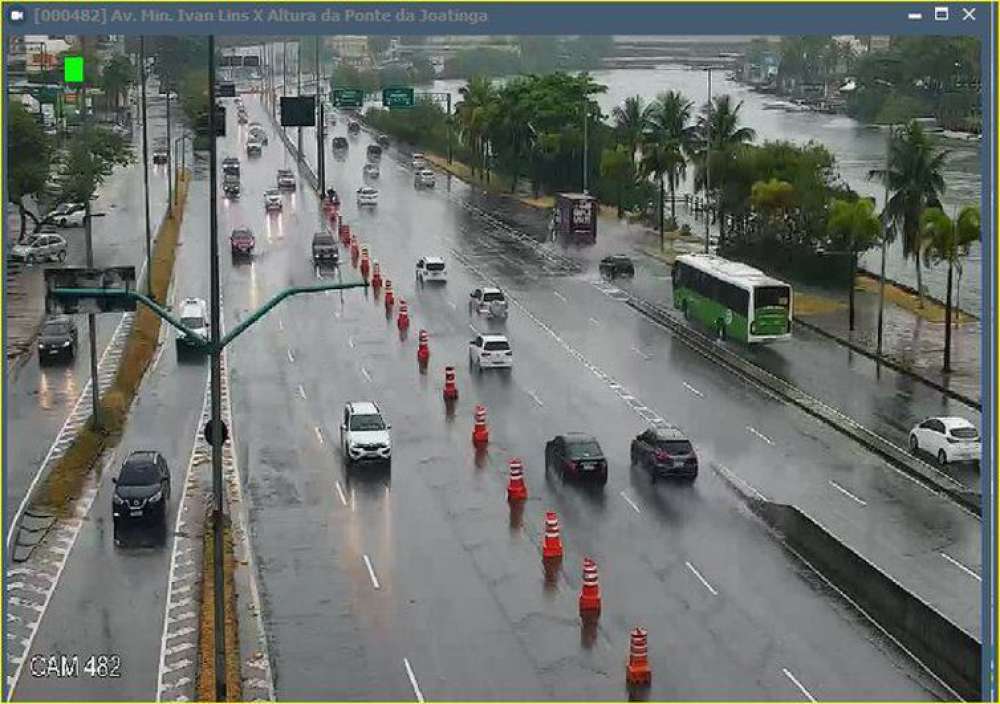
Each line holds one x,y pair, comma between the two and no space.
889,451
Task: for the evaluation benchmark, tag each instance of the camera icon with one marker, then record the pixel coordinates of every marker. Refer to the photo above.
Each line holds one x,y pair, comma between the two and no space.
16,15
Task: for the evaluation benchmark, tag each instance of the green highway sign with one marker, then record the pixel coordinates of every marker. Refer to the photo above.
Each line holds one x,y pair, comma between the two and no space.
348,97
397,97
73,69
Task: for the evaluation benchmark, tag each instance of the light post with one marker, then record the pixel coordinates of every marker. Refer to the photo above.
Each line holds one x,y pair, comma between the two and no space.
708,164
586,116
95,391
170,187
182,151
145,160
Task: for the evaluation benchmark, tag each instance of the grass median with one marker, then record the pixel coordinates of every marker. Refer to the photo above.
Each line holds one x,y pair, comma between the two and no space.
206,638
65,481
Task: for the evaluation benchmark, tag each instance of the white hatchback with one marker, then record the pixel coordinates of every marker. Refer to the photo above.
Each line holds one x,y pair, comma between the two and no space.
948,439
431,269
490,351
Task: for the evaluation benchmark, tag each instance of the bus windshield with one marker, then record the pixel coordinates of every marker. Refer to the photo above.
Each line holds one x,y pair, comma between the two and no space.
764,296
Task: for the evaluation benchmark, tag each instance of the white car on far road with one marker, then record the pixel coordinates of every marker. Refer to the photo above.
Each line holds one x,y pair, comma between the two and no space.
948,439
490,351
431,269
367,196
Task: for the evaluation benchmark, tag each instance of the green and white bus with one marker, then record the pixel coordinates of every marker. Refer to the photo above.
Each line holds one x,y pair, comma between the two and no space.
735,301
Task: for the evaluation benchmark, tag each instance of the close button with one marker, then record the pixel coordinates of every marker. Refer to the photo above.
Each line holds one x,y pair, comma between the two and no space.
968,13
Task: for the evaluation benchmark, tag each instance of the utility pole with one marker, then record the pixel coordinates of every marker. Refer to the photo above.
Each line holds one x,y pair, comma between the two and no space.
170,184
216,389
145,160
586,114
298,87
284,74
449,126
708,164
320,157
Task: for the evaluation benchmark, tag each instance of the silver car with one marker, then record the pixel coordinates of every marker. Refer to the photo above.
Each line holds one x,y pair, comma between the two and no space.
41,247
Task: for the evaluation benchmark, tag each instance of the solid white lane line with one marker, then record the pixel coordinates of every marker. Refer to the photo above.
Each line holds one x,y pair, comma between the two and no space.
319,434
302,392
354,502
641,353
629,501
371,572
413,681
798,684
693,390
962,567
365,374
559,296
701,579
340,493
845,492
535,396
760,435
291,357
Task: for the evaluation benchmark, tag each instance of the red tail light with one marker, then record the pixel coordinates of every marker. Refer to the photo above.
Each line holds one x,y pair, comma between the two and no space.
569,465
661,455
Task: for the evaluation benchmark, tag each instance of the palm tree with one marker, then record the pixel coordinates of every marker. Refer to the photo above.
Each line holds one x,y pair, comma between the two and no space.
472,114
658,158
718,127
617,169
668,123
857,228
630,123
913,179
948,241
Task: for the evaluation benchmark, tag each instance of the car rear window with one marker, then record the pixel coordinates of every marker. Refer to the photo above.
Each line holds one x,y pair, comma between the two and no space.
675,447
435,266
496,345
55,329
193,321
492,296
965,433
583,449
324,240
367,422
139,475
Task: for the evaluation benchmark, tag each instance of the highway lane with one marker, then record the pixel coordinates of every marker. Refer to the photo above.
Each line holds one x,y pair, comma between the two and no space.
913,533
41,397
110,600
441,527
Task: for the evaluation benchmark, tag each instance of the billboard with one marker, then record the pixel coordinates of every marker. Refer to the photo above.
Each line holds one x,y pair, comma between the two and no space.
115,278
298,112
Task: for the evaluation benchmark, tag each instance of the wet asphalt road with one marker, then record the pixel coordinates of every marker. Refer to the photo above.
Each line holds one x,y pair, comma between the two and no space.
41,397
460,595
111,598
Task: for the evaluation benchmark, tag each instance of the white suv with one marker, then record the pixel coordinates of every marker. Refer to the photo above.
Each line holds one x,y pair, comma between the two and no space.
364,434
424,178
431,269
490,351
194,316
40,247
418,160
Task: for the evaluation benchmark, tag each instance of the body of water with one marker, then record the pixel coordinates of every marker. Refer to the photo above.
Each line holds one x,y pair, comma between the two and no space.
858,148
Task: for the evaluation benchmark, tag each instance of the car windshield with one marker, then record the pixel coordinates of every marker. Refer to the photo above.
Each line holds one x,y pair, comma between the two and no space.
137,474
370,421
32,242
56,328
491,296
965,433
324,240
674,447
496,345
193,321
581,449
435,266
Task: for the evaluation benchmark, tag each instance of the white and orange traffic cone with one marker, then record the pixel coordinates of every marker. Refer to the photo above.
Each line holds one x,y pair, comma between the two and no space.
364,264
516,488
389,298
552,548
637,670
403,321
423,350
590,592
450,388
376,277
480,433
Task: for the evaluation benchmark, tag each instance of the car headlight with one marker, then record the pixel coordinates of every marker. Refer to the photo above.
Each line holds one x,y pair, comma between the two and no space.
66,344
156,497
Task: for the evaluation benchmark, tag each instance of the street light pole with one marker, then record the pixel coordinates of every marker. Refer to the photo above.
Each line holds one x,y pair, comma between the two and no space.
320,157
298,88
170,184
145,160
216,390
586,111
183,159
708,164
449,127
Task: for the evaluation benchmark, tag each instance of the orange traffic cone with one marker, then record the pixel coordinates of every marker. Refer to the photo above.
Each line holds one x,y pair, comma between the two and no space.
516,489
552,545
590,593
403,321
480,433
354,251
389,298
345,232
376,277
637,670
450,389
364,264
423,351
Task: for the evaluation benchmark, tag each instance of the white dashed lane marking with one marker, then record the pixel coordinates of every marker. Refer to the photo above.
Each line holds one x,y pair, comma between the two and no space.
962,567
701,579
798,684
846,493
371,572
559,296
759,434
413,681
629,501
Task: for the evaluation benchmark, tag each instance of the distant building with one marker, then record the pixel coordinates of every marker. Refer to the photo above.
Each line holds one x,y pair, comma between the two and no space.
861,44
350,49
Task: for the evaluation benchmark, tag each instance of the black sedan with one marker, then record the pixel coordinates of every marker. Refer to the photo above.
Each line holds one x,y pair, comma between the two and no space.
142,489
576,456
665,451
160,156
57,338
617,265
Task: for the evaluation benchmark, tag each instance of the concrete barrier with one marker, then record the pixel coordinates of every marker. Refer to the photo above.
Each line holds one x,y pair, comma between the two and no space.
941,647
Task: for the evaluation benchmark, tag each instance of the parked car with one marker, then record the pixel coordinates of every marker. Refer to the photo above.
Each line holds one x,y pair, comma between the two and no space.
194,316
490,351
367,196
370,171
142,489
617,265
160,155
324,248
431,269
489,301
57,338
665,451
44,246
576,456
424,178
68,215
272,200
286,179
418,160
364,434
242,242
949,439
